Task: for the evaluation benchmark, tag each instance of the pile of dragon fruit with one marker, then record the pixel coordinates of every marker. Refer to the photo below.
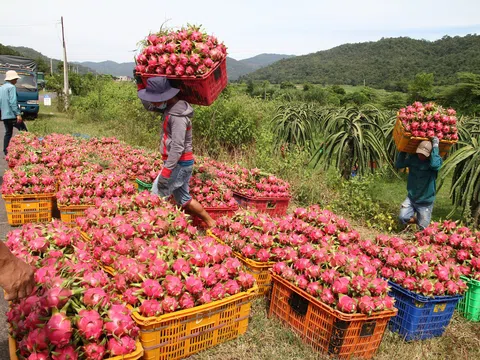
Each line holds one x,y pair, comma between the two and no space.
211,194
248,182
429,120
319,256
160,264
462,243
28,179
74,312
428,270
188,52
84,185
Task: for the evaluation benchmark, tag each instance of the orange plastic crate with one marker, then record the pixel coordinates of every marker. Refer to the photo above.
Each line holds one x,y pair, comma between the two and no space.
259,270
68,214
329,331
198,90
137,354
22,209
183,333
405,142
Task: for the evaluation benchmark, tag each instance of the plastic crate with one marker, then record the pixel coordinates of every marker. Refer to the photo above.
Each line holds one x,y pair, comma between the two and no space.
137,354
469,306
271,206
68,214
420,317
215,213
405,142
259,270
327,330
141,186
183,333
22,209
199,90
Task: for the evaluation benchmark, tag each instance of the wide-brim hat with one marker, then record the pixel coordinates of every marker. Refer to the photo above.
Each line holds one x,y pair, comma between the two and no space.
11,75
425,148
158,89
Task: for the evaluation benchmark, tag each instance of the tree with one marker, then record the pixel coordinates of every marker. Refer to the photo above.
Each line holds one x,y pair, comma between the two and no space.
353,137
250,87
465,166
287,85
421,88
465,95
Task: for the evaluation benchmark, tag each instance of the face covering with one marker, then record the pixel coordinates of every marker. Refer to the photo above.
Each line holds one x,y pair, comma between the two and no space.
163,106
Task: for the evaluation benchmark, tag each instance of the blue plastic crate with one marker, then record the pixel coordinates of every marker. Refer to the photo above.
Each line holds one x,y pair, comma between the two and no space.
420,317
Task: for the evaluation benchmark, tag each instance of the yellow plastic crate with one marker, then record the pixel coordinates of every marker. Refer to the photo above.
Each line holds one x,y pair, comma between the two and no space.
186,332
68,214
22,209
405,142
259,270
137,354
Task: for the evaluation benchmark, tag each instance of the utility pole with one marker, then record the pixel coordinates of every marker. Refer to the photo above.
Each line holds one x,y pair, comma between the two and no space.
51,67
65,68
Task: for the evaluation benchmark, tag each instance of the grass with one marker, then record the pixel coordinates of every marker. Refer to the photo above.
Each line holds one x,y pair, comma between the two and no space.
394,190
267,338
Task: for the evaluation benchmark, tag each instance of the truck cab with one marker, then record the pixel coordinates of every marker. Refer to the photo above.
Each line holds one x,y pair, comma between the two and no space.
27,88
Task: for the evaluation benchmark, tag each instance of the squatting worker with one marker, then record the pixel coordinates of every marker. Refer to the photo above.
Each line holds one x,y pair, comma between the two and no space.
11,116
175,145
423,169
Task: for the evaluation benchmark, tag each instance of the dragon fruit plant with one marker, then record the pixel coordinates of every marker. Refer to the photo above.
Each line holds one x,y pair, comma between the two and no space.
188,52
73,312
429,120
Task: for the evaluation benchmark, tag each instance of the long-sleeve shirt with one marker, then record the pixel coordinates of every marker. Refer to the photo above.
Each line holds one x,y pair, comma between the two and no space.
8,101
422,176
176,141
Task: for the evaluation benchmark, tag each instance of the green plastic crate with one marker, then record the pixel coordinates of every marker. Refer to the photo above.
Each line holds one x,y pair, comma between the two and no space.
469,306
143,186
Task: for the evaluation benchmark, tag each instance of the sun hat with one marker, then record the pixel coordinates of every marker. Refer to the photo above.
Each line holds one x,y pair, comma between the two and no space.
425,148
158,90
11,75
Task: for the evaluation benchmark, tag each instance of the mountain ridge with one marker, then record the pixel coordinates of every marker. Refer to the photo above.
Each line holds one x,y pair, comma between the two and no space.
381,63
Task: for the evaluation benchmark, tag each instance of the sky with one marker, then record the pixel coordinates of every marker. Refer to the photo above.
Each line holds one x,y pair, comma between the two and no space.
110,29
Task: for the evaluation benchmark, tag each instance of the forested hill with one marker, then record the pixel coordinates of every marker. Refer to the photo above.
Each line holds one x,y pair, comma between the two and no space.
381,64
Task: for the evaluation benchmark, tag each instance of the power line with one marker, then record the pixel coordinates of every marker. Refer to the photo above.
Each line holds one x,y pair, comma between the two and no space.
29,25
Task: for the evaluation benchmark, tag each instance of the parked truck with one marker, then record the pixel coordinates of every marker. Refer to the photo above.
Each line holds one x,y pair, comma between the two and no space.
27,87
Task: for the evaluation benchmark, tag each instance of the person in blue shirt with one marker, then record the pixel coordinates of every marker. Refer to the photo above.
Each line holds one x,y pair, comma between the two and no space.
11,115
421,185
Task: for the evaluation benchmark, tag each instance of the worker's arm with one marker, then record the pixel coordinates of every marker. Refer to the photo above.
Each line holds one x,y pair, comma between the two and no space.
12,101
177,146
435,158
16,277
403,160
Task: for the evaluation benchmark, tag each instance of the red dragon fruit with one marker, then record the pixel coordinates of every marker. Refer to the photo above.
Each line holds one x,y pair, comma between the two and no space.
59,329
90,324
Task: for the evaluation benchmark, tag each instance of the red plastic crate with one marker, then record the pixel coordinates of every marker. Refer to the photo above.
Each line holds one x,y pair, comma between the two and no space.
215,213
199,90
271,206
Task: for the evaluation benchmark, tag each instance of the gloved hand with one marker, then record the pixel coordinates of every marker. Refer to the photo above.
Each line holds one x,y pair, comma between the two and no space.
162,185
435,142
